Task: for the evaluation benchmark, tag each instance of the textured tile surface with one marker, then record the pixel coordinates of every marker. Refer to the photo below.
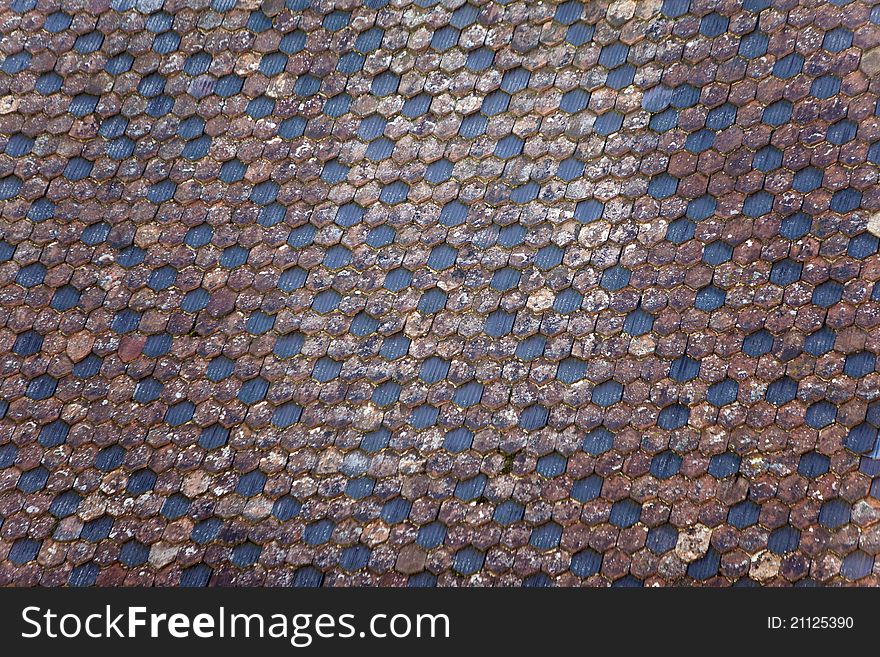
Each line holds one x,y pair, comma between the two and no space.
439,293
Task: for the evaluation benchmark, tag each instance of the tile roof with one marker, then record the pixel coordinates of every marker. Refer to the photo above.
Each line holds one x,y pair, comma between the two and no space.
419,292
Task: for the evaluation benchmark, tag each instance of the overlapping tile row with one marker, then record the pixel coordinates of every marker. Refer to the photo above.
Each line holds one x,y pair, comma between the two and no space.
439,293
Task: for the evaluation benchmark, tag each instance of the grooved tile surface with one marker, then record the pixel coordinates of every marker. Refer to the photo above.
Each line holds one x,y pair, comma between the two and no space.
434,293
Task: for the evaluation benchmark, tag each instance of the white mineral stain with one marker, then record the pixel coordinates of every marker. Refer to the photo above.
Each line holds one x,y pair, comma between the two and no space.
874,224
